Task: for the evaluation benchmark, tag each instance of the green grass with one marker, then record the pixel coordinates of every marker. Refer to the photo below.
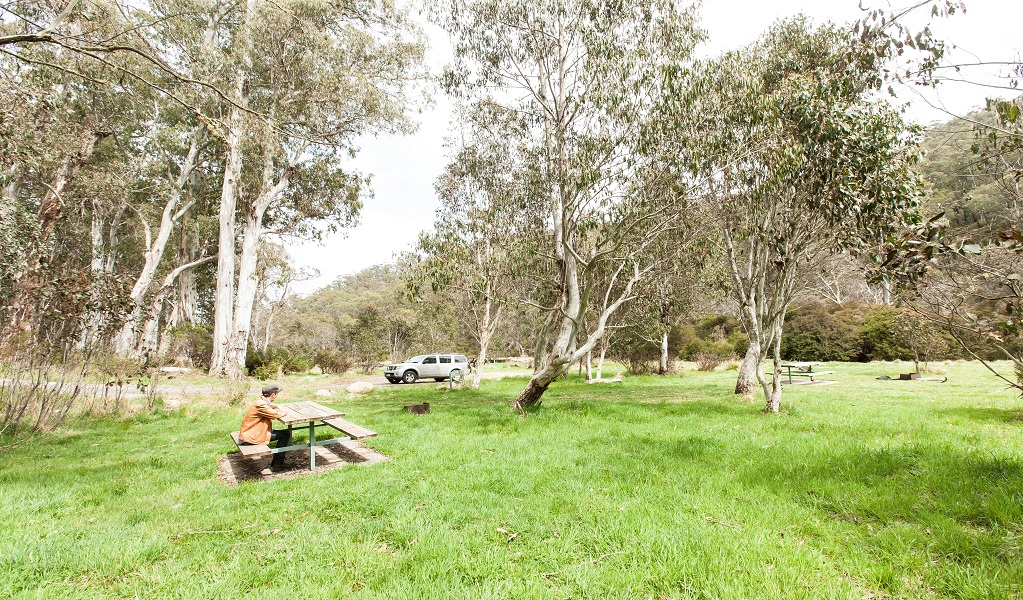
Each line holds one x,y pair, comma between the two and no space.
656,487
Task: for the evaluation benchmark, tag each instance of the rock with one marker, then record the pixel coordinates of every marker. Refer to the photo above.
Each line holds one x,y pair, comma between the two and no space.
323,393
360,387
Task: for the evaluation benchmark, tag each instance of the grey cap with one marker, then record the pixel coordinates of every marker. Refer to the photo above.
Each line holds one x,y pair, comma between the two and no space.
271,389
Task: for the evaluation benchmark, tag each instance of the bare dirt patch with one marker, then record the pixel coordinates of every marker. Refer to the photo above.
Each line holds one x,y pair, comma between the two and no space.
234,468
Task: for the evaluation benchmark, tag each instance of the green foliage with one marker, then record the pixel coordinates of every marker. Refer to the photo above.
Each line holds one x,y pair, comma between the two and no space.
823,333
640,356
716,335
268,364
365,315
861,332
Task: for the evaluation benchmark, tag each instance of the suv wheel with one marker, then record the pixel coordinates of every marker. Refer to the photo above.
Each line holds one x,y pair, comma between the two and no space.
409,376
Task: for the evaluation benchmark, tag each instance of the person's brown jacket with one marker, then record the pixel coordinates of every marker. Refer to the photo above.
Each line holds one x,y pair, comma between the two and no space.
258,421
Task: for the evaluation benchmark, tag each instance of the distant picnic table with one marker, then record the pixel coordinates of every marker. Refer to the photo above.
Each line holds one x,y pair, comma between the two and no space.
306,415
804,369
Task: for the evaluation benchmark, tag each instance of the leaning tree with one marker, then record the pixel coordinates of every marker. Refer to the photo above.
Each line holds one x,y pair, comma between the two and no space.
583,74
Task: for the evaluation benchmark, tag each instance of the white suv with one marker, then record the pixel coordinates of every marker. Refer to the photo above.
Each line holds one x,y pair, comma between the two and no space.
438,366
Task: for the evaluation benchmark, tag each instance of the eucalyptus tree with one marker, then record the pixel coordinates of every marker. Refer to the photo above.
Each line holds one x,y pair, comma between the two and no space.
179,158
476,246
65,111
318,74
583,75
799,162
962,271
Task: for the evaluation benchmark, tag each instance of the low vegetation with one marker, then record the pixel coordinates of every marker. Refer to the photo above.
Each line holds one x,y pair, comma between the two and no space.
663,487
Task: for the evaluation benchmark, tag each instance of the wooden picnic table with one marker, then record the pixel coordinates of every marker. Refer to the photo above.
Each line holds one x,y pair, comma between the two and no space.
305,415
804,369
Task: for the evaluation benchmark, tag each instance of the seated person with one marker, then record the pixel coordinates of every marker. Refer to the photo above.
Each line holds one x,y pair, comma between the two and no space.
257,425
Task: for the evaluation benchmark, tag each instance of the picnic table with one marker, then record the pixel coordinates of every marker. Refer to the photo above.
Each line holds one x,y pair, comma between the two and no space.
306,415
803,369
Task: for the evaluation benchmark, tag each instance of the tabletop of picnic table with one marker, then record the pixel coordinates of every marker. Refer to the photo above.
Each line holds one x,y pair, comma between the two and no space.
305,412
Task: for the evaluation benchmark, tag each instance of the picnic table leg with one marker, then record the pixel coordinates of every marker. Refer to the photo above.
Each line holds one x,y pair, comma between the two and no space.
312,445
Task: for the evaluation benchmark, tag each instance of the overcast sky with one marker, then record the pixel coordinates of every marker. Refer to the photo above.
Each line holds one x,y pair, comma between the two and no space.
404,168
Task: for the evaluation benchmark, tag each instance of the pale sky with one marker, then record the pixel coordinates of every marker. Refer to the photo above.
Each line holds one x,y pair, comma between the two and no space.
405,168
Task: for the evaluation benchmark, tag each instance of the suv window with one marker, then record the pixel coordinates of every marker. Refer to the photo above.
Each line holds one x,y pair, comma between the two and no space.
430,360
460,359
445,359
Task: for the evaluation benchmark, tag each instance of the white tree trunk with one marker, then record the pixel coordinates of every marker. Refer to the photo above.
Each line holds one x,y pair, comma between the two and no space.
774,393
248,282
746,382
188,295
664,353
95,319
481,359
223,305
566,350
149,340
155,247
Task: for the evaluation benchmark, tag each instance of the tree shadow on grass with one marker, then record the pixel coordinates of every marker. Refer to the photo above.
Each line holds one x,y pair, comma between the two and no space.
967,502
1012,416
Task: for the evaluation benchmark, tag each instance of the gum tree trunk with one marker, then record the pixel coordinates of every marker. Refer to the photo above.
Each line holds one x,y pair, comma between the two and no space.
248,279
188,295
773,392
155,247
149,340
746,383
663,368
223,305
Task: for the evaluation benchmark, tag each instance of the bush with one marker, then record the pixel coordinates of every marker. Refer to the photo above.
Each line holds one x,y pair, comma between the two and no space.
264,365
705,348
334,362
708,361
878,335
266,370
640,358
822,333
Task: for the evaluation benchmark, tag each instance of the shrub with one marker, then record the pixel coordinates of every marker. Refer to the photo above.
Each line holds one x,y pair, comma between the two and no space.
266,370
267,364
640,358
823,333
697,348
878,335
708,361
334,362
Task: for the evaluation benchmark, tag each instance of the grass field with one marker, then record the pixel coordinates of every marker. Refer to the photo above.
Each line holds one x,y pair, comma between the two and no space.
654,488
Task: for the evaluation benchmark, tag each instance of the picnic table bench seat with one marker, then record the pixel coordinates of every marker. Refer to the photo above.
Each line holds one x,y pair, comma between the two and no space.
250,450
811,374
356,432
